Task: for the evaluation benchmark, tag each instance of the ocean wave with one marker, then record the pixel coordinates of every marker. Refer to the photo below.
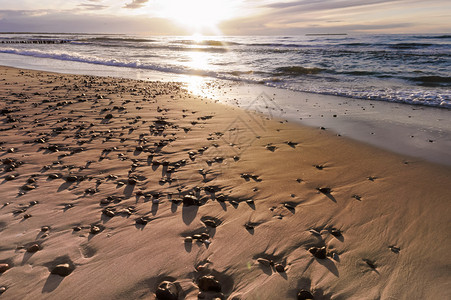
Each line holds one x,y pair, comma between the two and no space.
205,43
117,39
410,45
432,81
297,70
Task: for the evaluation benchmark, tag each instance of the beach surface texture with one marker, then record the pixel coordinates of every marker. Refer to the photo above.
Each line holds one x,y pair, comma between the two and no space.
124,189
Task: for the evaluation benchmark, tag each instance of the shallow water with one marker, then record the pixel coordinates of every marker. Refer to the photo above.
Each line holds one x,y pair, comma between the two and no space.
411,69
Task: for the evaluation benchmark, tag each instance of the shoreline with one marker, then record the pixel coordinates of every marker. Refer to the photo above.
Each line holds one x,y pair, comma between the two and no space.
417,131
132,183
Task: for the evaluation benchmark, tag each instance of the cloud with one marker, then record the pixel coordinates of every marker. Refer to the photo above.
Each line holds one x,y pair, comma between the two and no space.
71,22
88,6
324,5
136,4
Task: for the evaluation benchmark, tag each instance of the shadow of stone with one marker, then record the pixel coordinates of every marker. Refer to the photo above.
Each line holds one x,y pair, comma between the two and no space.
174,207
154,209
189,213
188,247
52,282
26,257
128,191
329,264
331,197
64,186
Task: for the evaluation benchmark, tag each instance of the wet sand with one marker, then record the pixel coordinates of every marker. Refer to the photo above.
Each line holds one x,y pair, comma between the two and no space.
111,187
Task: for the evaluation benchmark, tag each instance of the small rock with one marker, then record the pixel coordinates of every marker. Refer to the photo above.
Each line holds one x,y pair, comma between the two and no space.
304,295
95,229
336,233
279,268
2,289
108,212
167,291
320,253
33,248
4,267
265,262
10,177
190,200
28,187
54,176
62,270
26,216
108,116
210,223
71,178
325,190
188,239
142,221
76,228
209,284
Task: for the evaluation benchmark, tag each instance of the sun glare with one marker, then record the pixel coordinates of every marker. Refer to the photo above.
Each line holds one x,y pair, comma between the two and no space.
198,14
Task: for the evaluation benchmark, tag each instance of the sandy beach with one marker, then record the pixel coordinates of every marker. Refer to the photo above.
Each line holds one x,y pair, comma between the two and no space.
125,189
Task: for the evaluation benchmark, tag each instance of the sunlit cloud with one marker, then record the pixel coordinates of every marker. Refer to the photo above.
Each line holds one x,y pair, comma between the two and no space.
135,4
230,17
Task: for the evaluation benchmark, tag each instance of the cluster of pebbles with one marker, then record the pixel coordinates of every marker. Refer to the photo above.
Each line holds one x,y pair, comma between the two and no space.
80,129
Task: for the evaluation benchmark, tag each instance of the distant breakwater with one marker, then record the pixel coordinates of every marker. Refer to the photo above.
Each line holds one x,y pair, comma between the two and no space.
34,42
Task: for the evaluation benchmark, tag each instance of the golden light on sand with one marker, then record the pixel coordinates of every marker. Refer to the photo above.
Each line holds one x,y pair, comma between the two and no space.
199,14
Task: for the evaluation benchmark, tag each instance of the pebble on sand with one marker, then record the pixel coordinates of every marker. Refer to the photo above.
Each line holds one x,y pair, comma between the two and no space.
33,248
95,229
62,270
320,253
4,267
167,291
209,284
305,295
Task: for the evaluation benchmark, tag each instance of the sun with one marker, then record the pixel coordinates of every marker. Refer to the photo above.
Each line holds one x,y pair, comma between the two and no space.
198,14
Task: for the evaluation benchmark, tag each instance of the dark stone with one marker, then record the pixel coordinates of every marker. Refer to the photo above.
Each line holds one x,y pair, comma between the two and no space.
71,178
142,221
319,253
109,212
95,229
190,200
90,191
108,116
210,223
33,248
209,284
10,177
304,295
265,262
279,268
167,291
45,228
4,268
62,270
325,190
336,233
28,187
132,181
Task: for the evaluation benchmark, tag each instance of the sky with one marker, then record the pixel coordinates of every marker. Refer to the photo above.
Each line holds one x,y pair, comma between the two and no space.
227,17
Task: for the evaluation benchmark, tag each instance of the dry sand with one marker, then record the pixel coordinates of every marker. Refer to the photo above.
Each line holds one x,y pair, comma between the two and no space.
125,184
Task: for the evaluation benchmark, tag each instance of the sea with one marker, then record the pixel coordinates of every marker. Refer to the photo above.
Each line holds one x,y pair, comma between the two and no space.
411,69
